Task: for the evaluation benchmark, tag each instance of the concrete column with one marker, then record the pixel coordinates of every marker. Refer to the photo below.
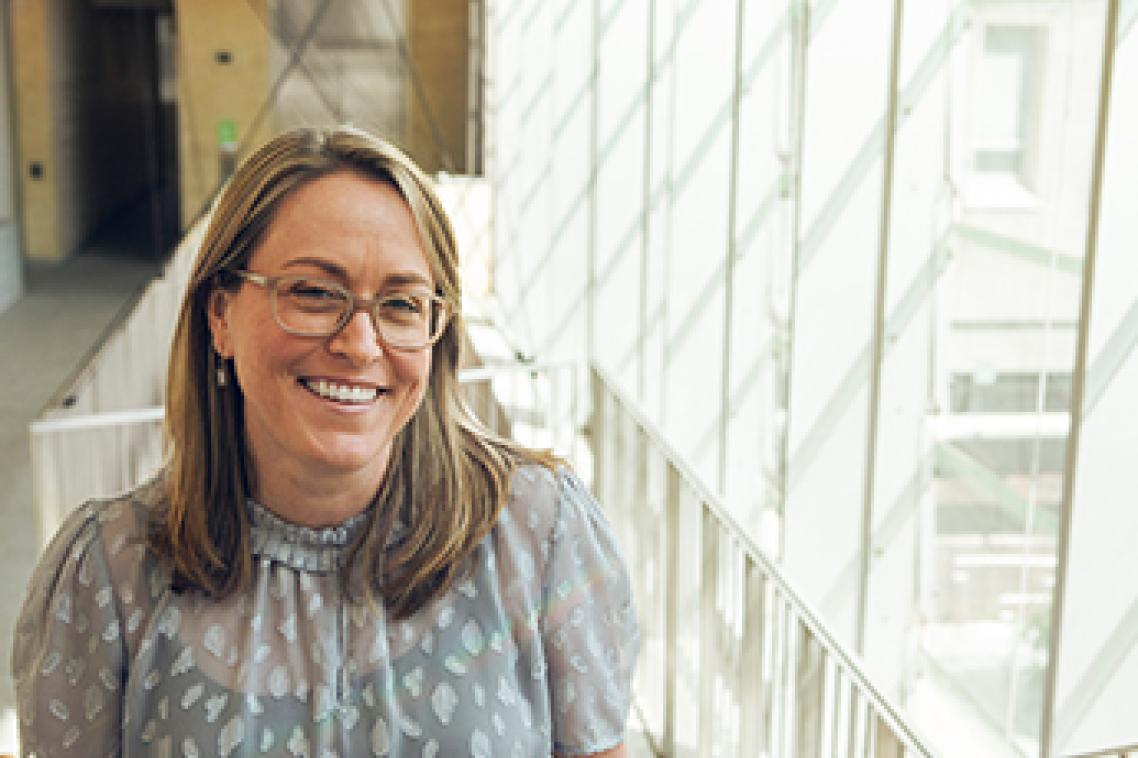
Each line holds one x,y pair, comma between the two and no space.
11,273
438,62
223,70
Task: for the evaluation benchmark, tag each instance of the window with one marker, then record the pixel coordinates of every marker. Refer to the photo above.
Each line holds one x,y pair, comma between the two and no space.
1004,113
1008,393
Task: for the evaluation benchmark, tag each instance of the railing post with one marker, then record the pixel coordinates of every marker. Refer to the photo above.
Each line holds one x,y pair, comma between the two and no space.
709,626
809,686
671,603
886,744
799,691
753,726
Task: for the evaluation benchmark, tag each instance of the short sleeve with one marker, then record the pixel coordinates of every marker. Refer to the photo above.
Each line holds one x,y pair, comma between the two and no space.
67,656
589,630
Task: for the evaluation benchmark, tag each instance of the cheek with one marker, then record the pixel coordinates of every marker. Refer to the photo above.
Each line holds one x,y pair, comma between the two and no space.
261,354
415,373
414,368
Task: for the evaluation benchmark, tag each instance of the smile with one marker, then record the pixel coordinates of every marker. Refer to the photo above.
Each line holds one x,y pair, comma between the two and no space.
341,393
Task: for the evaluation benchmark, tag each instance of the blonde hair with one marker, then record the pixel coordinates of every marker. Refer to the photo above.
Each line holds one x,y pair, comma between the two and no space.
447,478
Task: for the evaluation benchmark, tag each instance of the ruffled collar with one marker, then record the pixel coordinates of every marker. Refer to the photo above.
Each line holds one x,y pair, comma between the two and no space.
317,550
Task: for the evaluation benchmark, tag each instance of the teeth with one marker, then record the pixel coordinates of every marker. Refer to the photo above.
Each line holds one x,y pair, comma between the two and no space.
341,392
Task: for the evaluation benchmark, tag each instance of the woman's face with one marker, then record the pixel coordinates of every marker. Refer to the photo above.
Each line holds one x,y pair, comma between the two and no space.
358,232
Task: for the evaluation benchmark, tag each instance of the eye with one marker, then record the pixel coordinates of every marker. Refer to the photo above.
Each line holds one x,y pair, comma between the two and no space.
403,304
310,290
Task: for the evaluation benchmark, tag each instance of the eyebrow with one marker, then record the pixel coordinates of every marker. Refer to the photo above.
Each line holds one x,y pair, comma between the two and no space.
398,279
328,267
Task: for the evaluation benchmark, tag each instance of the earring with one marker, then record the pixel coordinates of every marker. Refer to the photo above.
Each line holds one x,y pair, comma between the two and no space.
222,374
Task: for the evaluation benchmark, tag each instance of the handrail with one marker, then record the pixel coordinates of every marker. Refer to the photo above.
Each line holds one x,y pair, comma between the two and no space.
98,420
157,412
75,456
1115,752
817,688
715,515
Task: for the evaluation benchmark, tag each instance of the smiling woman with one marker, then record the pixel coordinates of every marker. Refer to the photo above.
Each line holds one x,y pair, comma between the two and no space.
337,559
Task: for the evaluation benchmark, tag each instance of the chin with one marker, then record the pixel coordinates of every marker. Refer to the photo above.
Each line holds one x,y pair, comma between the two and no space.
337,456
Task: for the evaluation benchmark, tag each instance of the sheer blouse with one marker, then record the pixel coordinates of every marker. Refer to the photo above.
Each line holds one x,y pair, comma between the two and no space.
531,653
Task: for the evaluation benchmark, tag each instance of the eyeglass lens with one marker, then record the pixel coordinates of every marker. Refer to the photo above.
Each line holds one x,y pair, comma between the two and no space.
314,307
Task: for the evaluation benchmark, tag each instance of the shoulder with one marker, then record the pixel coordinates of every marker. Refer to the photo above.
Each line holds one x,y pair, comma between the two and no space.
115,519
553,511
544,498
102,536
114,524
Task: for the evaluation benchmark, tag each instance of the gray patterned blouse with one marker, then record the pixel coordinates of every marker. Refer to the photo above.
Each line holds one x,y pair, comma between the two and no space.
531,654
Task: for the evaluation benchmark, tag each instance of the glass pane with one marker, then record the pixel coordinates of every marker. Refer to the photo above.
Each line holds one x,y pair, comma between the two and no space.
1098,657
982,331
846,74
350,69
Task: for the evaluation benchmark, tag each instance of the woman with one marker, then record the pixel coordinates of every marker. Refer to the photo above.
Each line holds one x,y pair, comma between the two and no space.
337,559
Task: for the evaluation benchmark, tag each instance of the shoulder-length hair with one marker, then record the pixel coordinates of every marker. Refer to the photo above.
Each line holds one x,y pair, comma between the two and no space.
447,478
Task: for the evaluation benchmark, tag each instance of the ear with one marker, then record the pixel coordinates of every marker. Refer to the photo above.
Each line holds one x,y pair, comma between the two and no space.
217,310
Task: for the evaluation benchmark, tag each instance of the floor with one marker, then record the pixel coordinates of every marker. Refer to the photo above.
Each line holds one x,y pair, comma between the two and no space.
45,337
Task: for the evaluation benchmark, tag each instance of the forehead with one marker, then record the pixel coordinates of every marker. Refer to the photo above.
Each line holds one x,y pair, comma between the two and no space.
353,221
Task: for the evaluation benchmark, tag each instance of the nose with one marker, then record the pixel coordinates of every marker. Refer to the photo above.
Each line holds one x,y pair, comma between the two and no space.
358,340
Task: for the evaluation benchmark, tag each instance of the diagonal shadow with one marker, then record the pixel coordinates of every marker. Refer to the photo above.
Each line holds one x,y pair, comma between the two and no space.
505,20
742,390
869,152
544,87
530,18
900,512
1128,16
1123,638
507,93
855,173
856,375
1105,665
582,195
1115,352
695,158
759,215
912,92
915,294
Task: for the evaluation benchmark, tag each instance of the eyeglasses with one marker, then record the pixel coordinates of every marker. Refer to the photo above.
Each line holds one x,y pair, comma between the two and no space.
318,308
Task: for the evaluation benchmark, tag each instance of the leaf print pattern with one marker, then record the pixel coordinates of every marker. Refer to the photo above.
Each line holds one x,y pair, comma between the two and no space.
529,653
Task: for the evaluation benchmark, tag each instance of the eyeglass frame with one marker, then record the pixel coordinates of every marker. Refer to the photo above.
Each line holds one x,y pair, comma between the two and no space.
355,303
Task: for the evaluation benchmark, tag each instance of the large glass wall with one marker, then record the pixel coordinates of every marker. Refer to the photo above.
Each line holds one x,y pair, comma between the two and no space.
836,249
340,61
1098,634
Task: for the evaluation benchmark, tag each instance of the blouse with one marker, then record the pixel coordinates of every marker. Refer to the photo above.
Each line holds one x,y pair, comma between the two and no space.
530,653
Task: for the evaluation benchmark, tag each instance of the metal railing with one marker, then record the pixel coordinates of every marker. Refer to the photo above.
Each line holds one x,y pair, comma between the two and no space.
101,434
75,457
734,663
1124,751
127,369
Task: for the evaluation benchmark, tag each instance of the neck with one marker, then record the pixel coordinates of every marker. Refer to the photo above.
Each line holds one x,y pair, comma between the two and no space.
315,499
